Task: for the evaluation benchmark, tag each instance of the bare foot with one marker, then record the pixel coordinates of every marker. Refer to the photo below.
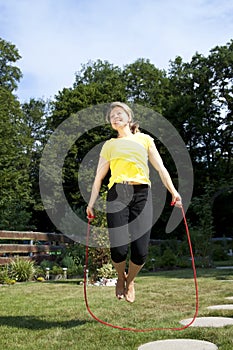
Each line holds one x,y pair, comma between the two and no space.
120,287
130,292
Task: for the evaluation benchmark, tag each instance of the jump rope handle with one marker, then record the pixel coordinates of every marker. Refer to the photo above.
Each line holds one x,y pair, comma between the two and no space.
173,204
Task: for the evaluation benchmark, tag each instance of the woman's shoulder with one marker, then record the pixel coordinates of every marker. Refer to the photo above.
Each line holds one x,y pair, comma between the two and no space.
145,139
143,136
109,142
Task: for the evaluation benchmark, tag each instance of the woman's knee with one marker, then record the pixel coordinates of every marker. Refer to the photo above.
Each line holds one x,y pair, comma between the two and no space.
139,249
119,254
138,259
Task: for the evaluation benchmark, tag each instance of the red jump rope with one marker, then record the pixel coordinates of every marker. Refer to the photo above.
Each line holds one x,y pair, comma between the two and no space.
146,329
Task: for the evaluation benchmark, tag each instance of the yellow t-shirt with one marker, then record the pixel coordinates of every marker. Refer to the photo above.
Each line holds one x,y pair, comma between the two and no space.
128,157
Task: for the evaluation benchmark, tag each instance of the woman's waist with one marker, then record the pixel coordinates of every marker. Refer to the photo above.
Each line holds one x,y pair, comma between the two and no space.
131,183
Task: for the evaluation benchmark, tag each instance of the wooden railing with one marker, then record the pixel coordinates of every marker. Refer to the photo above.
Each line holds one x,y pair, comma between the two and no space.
30,245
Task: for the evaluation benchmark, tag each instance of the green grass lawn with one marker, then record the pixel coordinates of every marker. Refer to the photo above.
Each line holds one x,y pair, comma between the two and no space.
52,315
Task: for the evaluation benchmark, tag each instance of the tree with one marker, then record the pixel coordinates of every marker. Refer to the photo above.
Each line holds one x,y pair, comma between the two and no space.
14,161
201,103
34,116
14,164
204,123
146,84
9,74
221,61
96,83
203,228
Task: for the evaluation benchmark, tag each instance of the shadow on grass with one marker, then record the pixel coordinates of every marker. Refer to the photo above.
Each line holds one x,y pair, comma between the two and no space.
188,273
34,323
66,281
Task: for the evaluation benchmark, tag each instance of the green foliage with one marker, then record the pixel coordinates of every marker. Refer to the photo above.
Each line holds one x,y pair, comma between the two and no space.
46,264
14,160
168,259
15,184
34,115
168,254
106,271
22,270
9,74
219,253
99,252
56,270
146,84
68,262
73,265
76,252
4,274
200,89
203,230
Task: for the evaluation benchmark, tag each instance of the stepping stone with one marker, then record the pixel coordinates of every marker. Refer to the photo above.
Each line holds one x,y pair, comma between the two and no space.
178,344
215,322
224,267
221,307
226,281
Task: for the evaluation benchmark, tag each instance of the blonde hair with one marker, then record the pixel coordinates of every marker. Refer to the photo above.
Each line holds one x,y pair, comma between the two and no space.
134,126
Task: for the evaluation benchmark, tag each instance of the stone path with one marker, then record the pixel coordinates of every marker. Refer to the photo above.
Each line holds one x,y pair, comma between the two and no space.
224,267
214,322
221,307
178,344
191,344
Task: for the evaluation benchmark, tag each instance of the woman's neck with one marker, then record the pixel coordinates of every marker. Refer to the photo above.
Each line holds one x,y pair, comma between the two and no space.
124,132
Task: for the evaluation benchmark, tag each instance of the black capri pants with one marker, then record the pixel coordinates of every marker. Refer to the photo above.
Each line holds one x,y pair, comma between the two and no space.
129,218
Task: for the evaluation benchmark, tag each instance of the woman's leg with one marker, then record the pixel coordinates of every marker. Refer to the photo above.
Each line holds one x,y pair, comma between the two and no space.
120,285
119,255
139,251
140,226
117,218
129,290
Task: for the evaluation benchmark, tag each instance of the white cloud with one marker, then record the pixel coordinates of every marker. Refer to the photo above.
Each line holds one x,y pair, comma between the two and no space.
55,37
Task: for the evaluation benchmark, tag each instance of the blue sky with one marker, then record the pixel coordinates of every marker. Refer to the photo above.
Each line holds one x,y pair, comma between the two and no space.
55,37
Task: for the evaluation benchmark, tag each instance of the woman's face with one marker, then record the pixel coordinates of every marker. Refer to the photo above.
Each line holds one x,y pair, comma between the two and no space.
118,118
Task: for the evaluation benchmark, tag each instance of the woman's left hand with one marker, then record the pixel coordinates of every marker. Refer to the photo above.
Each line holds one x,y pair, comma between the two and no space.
176,200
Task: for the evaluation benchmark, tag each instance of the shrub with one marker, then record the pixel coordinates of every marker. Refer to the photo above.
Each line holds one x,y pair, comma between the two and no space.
10,281
168,259
219,254
106,271
56,270
4,275
153,258
68,262
46,263
76,252
39,272
21,270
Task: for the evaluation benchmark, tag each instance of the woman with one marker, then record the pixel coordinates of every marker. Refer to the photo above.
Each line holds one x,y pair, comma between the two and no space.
129,204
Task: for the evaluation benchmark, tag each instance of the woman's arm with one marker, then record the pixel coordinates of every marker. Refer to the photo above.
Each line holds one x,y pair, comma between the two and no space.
101,172
157,162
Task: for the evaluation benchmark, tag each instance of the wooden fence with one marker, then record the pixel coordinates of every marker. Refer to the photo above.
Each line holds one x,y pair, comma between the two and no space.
30,245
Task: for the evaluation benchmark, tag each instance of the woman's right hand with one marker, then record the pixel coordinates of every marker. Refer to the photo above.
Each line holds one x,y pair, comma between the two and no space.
90,213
